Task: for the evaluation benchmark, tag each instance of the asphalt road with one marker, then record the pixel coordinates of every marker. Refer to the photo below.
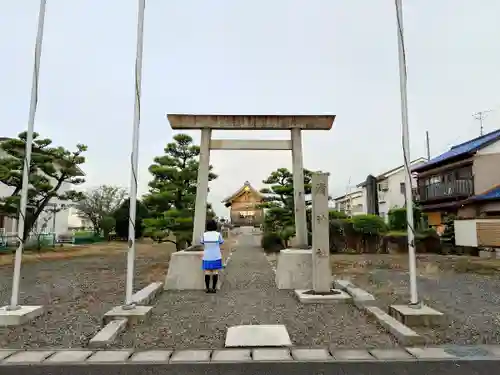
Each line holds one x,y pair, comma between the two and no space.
448,367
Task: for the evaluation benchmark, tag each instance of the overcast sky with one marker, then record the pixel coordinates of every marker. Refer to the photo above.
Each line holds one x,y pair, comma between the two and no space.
262,57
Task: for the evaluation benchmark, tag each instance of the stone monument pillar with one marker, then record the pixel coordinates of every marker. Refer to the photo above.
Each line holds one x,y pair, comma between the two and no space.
321,269
298,190
371,196
200,211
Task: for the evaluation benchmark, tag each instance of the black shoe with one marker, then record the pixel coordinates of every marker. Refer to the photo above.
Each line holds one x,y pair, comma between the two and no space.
213,290
208,290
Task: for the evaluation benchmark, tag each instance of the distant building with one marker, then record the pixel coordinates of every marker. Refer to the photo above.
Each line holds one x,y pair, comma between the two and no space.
463,181
353,203
244,203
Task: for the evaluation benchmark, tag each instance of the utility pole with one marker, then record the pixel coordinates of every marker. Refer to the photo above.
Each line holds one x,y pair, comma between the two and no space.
428,145
481,115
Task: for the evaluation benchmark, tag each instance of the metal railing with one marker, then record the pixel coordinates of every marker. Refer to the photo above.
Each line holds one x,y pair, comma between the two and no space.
452,189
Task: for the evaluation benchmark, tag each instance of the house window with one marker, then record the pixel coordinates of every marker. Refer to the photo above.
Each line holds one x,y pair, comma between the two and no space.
402,187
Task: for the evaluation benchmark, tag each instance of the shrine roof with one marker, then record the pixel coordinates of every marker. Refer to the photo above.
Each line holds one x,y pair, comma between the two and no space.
246,187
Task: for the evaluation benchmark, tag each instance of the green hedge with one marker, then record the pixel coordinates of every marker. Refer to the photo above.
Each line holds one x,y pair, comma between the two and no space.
397,218
88,240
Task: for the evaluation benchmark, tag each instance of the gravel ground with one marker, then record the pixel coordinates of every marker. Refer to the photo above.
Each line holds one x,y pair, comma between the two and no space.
76,292
249,296
471,302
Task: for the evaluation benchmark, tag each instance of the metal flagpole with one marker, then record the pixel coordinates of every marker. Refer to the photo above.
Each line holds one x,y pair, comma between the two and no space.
406,154
134,157
27,159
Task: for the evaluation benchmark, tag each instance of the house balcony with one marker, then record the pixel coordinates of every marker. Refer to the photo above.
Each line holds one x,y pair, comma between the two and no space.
445,190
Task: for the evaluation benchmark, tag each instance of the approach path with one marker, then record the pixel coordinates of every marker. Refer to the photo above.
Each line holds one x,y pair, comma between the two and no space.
193,319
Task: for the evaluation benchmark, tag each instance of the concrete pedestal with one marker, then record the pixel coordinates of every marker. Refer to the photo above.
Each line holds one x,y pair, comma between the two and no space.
305,296
266,335
414,316
185,273
23,315
136,315
294,269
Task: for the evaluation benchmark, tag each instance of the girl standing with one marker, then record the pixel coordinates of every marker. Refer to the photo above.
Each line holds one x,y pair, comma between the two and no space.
212,256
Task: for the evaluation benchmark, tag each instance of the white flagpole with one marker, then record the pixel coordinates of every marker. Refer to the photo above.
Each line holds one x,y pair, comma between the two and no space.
135,157
14,302
406,153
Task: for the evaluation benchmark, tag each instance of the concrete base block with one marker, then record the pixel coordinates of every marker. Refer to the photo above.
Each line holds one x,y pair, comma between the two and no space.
339,296
185,273
401,332
147,295
24,314
108,334
136,315
414,316
294,269
257,336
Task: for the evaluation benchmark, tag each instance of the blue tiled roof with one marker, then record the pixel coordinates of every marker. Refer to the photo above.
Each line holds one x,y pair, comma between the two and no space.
491,194
462,149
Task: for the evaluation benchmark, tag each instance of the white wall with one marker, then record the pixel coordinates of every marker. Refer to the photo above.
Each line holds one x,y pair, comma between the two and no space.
393,197
493,148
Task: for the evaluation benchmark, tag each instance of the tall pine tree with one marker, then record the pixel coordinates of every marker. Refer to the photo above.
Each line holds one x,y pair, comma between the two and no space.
172,192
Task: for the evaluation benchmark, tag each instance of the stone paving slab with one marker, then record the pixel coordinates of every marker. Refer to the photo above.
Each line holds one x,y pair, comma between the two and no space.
319,354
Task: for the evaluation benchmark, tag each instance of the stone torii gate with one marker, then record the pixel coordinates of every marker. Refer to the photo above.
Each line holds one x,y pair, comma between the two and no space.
294,123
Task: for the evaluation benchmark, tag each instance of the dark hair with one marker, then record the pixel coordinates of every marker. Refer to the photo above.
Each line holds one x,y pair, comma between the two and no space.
211,225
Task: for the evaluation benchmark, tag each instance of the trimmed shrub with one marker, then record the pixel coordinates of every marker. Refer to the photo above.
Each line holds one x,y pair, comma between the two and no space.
397,218
425,242
271,242
334,214
372,225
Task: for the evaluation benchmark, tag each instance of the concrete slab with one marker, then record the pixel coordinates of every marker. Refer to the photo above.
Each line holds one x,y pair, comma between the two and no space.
69,356
23,315
257,335
29,356
4,353
110,356
294,269
352,355
313,354
232,355
147,295
108,334
415,316
139,314
185,273
391,354
340,297
402,333
430,353
190,356
152,356
272,354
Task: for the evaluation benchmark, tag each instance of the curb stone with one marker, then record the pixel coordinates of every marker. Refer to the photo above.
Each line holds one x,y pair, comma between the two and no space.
13,357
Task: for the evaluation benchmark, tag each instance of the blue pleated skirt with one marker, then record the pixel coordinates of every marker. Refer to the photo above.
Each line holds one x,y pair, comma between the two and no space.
208,265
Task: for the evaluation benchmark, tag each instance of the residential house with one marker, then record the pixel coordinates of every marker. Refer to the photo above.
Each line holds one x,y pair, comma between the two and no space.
352,203
53,219
76,220
463,181
391,187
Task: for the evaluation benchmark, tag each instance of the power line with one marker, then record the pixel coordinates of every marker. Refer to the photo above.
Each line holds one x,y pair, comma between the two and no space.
481,115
